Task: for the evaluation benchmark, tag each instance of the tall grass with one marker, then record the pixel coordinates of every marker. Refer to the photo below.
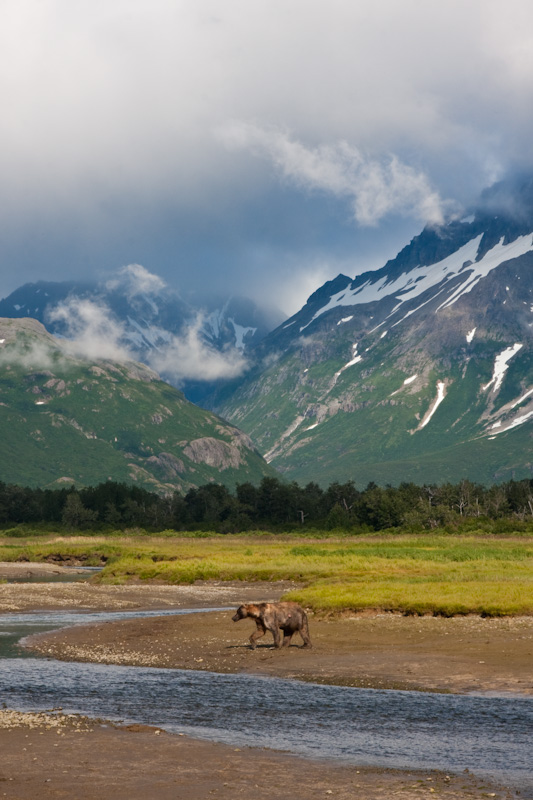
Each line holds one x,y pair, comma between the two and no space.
441,574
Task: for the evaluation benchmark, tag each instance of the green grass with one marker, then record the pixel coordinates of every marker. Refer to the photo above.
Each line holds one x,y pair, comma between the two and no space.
370,431
439,574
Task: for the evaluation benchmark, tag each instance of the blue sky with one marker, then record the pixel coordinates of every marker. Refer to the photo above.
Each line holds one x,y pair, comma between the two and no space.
250,147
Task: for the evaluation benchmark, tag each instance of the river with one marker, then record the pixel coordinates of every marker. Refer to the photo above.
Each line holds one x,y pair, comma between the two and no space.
491,736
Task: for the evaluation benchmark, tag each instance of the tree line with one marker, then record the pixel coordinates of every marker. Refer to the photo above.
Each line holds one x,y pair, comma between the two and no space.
272,505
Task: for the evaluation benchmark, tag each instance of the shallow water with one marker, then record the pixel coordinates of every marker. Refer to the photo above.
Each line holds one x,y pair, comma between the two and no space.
61,577
490,736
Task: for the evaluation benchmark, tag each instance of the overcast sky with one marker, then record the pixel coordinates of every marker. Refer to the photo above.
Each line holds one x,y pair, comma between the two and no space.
253,146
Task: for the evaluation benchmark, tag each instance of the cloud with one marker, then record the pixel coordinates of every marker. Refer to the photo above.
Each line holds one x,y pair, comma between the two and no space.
91,330
108,157
93,333
32,355
373,188
134,280
189,357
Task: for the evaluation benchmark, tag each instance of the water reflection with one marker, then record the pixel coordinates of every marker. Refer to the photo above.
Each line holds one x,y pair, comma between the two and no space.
58,577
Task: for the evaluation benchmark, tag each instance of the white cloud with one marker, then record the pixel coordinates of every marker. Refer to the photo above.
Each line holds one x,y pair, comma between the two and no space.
91,330
106,147
374,188
31,355
136,279
93,333
189,357
113,98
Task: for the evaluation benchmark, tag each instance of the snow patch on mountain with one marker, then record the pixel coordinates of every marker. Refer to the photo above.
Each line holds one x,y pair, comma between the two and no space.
498,255
240,333
406,382
501,365
354,360
514,424
521,399
212,323
408,285
290,430
461,264
470,335
441,394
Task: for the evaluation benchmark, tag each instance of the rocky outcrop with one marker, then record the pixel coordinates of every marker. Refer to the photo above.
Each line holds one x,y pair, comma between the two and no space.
214,453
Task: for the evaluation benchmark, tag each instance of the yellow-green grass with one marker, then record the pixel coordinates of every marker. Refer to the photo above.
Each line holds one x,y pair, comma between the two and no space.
439,574
448,598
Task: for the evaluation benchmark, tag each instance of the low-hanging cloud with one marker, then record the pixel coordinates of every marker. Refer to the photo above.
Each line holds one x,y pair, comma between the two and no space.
33,355
92,331
94,334
374,188
189,357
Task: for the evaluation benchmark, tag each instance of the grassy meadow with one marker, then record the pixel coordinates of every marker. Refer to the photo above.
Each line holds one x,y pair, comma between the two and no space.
415,574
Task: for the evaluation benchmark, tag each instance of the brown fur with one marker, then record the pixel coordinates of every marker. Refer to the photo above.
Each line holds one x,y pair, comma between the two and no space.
273,617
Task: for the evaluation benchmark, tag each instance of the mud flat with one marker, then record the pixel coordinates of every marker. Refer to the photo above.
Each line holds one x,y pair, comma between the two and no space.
55,756
86,759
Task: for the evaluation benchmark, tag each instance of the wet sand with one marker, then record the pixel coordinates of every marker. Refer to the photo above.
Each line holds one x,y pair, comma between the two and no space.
71,757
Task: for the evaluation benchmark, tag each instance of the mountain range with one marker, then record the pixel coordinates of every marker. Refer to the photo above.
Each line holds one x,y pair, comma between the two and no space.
419,371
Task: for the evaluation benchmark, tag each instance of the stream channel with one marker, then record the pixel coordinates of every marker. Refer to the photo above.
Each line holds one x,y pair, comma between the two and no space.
492,736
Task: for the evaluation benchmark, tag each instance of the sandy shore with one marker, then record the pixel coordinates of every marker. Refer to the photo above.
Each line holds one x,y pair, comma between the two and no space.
51,756
86,596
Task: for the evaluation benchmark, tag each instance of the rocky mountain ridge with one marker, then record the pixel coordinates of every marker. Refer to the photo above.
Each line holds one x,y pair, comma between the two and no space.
421,370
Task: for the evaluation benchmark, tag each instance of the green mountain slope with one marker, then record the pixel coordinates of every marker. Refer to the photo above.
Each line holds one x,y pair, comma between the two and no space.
63,418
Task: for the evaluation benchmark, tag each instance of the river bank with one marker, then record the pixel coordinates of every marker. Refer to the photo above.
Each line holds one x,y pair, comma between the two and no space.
382,651
54,756
85,759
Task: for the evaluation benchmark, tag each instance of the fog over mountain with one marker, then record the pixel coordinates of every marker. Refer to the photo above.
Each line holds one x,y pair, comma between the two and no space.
134,315
255,149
